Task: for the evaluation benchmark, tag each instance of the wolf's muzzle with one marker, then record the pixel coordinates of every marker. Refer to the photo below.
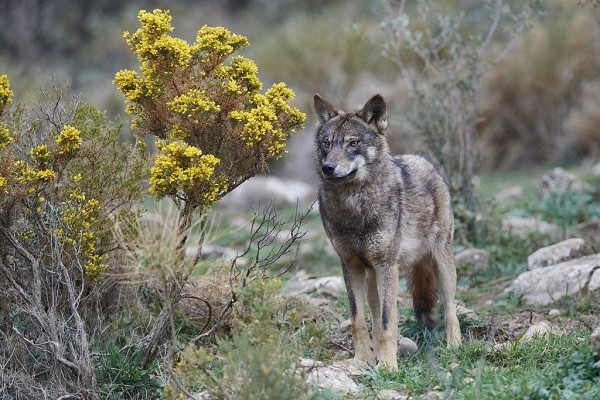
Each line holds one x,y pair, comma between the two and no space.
328,168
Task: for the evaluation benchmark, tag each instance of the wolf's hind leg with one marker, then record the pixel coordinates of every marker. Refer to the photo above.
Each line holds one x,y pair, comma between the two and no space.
446,272
422,281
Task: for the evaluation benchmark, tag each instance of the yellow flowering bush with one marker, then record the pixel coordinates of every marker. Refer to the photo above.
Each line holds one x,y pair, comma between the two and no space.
5,92
68,140
41,179
215,128
181,169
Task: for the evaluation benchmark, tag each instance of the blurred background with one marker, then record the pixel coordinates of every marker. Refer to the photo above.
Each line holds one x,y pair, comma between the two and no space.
537,96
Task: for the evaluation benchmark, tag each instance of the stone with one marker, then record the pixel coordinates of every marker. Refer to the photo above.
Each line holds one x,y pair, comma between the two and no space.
406,347
477,257
546,285
523,226
301,283
391,394
595,341
559,180
210,250
555,312
351,366
329,377
260,190
562,251
541,328
596,170
590,231
510,194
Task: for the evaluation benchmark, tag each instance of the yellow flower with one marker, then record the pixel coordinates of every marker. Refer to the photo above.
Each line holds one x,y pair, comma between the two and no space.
68,140
5,92
5,137
219,40
41,154
193,103
240,76
179,168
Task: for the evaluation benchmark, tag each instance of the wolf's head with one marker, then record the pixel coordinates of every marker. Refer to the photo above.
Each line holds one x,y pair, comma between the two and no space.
348,142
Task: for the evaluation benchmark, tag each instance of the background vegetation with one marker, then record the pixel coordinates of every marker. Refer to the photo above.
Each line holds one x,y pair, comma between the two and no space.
104,291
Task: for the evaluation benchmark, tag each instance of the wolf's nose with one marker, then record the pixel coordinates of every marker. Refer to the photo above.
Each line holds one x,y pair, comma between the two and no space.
328,168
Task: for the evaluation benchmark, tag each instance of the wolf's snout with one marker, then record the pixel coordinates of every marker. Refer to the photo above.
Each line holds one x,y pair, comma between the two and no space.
328,168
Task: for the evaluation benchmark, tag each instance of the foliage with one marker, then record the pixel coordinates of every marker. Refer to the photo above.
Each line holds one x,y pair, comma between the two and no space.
122,375
443,62
258,361
194,102
64,177
526,120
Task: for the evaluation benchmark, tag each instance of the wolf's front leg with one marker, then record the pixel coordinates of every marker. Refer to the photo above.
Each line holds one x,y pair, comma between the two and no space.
354,277
387,329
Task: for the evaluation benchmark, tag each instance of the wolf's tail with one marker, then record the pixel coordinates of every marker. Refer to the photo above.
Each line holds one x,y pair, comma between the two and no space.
423,285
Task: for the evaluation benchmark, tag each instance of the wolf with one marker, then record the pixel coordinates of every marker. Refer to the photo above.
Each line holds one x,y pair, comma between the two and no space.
383,214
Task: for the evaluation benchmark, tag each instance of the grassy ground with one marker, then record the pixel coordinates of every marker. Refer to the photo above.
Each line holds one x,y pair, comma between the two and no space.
494,361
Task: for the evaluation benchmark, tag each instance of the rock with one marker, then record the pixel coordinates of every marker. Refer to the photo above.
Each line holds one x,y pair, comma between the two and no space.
595,340
596,170
329,377
351,366
554,313
477,257
542,328
546,285
262,189
406,347
209,250
510,194
300,283
390,394
562,251
590,231
559,180
523,226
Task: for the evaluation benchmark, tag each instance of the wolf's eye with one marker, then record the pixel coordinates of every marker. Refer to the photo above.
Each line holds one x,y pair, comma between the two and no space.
326,144
353,143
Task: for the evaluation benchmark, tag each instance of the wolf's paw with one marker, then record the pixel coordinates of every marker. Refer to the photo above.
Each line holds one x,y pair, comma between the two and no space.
391,365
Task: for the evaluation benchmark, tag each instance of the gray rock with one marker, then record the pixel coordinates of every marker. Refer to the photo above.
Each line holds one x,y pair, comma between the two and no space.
406,347
546,285
329,377
596,170
262,189
541,328
523,226
590,231
595,340
559,180
477,257
391,394
562,251
510,194
300,283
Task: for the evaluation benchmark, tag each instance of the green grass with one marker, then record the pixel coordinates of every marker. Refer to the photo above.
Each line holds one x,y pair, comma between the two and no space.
547,367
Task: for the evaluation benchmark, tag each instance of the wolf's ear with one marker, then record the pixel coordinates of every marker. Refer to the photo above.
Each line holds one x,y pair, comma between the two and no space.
324,110
375,112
